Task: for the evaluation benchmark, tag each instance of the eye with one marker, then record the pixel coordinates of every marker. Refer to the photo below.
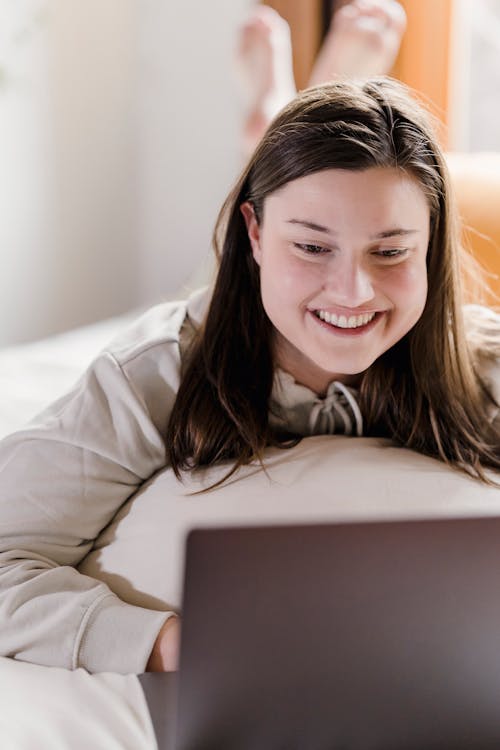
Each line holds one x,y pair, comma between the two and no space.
311,249
392,252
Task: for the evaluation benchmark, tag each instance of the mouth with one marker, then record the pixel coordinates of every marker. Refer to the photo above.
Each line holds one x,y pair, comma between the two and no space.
347,325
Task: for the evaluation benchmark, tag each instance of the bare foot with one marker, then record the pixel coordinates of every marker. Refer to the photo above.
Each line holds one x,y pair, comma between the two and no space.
363,40
265,67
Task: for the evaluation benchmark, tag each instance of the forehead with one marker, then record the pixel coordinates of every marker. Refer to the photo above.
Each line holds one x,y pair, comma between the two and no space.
376,194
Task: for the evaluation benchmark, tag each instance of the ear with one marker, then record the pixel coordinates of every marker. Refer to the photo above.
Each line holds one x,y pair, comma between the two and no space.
253,230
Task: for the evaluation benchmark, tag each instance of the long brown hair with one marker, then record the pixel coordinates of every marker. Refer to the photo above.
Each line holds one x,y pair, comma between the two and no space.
425,392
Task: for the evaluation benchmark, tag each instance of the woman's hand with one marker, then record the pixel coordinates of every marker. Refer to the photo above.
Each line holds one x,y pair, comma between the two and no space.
165,654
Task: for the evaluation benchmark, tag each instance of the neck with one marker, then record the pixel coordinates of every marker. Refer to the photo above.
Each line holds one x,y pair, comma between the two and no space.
307,373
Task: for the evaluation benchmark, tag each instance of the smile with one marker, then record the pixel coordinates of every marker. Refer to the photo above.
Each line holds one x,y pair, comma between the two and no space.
341,321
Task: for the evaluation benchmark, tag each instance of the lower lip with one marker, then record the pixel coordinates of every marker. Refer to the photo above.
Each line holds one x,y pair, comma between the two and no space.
348,332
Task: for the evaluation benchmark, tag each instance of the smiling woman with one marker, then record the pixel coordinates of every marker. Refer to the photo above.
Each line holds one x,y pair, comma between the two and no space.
337,308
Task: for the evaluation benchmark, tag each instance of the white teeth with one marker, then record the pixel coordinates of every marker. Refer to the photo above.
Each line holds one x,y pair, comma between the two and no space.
341,321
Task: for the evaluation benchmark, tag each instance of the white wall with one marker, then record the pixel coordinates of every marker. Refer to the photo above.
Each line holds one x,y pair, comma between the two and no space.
25,249
188,113
118,142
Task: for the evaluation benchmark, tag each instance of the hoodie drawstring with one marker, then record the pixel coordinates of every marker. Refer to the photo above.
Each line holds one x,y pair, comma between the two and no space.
339,402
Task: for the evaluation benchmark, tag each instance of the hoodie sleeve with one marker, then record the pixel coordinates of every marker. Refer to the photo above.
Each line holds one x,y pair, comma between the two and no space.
62,479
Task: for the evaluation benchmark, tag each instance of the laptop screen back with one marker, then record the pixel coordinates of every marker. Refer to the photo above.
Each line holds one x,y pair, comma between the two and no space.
352,636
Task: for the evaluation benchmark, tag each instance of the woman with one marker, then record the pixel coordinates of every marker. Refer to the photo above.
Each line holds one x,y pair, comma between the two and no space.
336,308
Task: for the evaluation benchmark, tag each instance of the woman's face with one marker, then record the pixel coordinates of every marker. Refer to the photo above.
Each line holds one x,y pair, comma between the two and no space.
342,258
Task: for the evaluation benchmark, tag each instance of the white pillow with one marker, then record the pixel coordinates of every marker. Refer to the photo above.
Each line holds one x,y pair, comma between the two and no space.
323,479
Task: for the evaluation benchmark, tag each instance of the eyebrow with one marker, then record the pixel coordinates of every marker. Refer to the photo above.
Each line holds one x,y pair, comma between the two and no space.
396,232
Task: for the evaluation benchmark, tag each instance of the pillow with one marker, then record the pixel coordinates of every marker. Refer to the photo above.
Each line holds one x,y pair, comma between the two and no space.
322,479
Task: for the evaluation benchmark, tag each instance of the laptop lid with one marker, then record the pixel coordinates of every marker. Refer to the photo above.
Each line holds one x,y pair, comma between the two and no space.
352,636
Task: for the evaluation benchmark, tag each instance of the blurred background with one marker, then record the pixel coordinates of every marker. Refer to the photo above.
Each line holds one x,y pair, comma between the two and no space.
119,138
118,142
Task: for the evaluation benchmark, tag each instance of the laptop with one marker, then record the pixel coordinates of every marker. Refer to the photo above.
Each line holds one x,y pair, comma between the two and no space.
348,636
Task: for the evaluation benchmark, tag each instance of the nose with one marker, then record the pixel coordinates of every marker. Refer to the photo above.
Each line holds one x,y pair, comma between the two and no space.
349,283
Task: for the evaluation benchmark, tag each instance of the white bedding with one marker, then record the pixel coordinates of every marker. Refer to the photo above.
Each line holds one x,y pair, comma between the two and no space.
43,708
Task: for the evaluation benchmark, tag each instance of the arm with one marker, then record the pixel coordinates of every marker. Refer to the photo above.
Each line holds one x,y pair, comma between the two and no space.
166,651
61,482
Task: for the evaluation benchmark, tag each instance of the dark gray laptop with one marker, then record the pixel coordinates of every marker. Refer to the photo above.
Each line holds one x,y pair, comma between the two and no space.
362,636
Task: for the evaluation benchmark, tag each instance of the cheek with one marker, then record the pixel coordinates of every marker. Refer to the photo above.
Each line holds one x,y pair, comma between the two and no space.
408,285
286,276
